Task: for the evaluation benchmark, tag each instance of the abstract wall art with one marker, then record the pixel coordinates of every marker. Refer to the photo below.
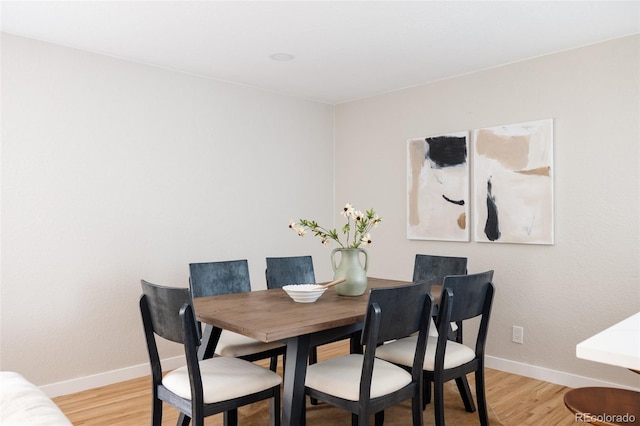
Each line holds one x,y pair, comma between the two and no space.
513,183
438,187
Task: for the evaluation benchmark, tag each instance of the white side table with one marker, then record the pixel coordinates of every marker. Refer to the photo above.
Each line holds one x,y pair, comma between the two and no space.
618,345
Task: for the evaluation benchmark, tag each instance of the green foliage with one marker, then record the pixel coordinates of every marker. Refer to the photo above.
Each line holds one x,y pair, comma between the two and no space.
363,223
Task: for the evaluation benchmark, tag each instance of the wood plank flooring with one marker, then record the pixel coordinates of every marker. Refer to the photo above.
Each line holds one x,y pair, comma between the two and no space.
516,400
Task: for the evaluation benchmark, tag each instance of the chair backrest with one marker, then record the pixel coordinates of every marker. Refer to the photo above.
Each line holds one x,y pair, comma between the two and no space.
401,310
283,271
393,313
465,297
161,305
168,313
433,269
215,278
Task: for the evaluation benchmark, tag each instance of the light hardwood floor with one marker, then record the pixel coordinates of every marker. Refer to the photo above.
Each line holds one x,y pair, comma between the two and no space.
516,400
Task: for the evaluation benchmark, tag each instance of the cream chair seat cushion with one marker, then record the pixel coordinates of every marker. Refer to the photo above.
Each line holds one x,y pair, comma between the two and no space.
433,330
223,378
341,377
237,345
401,352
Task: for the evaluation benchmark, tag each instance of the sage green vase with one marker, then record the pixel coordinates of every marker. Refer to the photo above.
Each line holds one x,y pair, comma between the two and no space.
351,268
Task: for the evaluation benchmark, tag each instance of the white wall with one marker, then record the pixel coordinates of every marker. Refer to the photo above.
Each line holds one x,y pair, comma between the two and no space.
114,172
560,294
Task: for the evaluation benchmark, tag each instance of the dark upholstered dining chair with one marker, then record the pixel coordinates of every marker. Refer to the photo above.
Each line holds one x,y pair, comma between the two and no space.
432,270
283,271
201,388
365,385
225,277
464,297
287,270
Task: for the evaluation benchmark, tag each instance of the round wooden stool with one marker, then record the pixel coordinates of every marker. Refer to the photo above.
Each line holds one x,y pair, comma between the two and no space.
604,406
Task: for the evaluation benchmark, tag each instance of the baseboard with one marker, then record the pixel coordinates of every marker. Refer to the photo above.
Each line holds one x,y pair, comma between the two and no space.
110,377
107,378
548,375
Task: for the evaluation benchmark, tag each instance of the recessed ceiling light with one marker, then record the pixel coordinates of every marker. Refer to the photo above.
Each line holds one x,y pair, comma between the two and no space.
282,56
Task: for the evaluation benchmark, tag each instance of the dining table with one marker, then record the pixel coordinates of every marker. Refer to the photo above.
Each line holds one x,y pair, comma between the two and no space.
271,315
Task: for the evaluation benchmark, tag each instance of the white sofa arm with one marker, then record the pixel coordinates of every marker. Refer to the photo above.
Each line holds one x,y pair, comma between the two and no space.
23,404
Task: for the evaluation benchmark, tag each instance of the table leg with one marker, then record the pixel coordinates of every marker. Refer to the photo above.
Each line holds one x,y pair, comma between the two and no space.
209,341
293,396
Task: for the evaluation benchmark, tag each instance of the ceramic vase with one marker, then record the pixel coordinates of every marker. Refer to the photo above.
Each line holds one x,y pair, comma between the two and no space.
350,266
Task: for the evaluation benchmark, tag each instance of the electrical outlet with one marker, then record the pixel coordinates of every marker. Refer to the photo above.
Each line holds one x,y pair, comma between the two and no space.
517,335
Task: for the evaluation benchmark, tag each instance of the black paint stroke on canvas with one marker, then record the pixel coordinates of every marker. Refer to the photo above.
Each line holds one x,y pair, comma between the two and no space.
491,227
458,202
447,151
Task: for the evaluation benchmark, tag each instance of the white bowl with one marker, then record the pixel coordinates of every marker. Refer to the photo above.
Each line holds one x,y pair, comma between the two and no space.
304,293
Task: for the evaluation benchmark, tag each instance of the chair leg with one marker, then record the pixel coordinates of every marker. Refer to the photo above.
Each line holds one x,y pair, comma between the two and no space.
363,420
465,393
230,417
379,417
156,417
480,395
354,344
183,420
416,410
273,365
438,397
354,419
313,359
313,355
426,392
274,409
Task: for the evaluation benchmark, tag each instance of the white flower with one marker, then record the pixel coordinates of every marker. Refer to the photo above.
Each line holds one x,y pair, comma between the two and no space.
355,231
347,211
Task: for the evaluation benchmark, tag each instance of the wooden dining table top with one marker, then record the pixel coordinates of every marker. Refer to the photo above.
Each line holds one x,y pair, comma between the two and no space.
271,315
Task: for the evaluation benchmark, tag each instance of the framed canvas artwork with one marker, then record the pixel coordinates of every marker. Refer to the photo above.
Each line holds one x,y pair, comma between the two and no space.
438,187
513,183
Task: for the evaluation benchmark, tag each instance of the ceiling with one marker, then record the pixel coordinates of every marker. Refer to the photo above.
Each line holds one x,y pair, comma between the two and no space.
343,50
